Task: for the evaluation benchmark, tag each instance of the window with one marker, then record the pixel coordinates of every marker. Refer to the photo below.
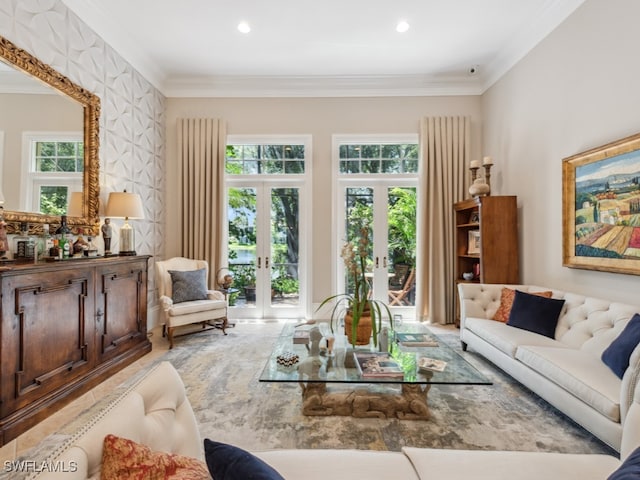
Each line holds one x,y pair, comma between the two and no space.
266,158
268,226
55,169
381,158
376,179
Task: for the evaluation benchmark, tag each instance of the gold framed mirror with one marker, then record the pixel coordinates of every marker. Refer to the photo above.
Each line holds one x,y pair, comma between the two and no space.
24,62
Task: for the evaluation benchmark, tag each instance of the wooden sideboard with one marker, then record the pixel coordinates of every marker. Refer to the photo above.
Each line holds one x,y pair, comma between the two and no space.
65,327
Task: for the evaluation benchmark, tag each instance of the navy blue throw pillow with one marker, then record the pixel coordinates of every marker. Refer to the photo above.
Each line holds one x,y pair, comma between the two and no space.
630,468
535,313
227,462
617,355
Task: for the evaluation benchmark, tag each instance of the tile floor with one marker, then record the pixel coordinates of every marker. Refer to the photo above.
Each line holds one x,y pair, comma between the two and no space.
33,436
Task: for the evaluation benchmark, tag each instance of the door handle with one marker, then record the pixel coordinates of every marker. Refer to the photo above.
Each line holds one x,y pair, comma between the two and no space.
266,262
259,262
377,262
384,262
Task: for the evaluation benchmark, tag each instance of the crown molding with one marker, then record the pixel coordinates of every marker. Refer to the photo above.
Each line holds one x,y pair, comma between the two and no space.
95,14
320,86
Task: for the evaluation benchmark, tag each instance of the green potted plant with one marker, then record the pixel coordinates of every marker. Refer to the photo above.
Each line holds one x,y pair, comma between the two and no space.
244,277
363,316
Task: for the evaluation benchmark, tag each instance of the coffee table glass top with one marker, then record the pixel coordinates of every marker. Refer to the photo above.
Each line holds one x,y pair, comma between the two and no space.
328,368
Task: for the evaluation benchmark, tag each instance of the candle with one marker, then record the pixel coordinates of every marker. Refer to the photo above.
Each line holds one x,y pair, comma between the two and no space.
475,164
487,161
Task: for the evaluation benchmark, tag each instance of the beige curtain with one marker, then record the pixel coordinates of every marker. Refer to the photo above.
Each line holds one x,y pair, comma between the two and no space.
202,143
445,143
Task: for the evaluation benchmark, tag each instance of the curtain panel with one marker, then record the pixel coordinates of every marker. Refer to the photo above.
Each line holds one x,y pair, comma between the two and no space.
202,143
445,143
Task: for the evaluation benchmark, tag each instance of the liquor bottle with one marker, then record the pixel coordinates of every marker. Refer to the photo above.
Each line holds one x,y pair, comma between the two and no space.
23,244
48,239
62,234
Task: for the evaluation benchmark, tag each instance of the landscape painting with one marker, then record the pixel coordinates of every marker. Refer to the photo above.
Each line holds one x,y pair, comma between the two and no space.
601,206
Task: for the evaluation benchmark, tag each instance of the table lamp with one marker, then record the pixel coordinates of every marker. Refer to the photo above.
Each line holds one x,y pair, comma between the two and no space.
74,208
125,205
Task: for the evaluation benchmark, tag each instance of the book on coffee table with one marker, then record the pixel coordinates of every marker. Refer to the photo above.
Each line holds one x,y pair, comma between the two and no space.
431,364
301,337
377,364
416,340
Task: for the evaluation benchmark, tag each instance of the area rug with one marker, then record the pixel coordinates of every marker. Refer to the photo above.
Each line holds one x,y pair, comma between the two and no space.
221,375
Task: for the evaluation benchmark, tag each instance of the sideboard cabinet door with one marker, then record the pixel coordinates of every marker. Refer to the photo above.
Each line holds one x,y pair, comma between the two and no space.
121,308
47,334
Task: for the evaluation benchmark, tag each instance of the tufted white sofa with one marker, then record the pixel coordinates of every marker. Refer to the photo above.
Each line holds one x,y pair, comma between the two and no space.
155,411
566,371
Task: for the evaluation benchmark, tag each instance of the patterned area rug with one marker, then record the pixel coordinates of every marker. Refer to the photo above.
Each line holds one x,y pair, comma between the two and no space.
221,377
221,374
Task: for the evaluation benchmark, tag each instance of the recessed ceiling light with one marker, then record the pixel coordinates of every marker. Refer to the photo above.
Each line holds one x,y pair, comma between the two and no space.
402,26
243,27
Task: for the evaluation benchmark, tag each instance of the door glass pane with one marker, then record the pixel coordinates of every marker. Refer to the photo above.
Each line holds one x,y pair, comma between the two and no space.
241,214
359,213
401,243
285,240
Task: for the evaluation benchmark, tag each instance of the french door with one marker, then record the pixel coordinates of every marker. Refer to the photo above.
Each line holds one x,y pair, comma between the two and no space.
265,249
388,208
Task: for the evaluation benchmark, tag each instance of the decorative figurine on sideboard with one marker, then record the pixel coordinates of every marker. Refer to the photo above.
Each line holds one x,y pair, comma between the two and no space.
106,235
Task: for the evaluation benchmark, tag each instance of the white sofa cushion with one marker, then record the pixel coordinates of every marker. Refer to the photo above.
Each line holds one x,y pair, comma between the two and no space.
579,373
351,464
434,464
505,338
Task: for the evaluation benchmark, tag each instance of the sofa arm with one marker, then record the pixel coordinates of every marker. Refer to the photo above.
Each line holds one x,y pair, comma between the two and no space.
479,300
166,303
630,384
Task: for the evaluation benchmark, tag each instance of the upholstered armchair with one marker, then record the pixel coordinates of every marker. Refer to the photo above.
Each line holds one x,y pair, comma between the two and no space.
185,297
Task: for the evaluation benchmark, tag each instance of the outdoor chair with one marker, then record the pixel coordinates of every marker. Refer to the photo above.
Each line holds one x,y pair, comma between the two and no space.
400,296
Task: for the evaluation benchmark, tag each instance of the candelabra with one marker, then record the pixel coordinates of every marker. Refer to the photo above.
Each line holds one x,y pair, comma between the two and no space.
487,173
474,173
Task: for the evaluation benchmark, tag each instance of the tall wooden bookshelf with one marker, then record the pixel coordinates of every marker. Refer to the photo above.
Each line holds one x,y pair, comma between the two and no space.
487,240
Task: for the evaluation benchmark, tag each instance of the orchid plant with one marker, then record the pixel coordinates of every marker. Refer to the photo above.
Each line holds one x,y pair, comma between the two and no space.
358,302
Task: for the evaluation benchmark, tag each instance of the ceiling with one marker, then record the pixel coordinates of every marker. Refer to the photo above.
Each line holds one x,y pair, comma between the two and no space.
322,47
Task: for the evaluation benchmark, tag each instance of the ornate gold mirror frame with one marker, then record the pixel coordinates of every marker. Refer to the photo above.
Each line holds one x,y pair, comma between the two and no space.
27,63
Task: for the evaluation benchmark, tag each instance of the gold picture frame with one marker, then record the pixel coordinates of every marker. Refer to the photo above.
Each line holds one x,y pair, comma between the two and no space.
601,208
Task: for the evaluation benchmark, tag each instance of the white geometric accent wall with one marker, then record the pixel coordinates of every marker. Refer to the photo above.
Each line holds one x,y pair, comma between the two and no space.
132,122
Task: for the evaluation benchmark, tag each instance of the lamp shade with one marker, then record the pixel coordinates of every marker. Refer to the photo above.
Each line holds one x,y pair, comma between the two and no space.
124,205
74,209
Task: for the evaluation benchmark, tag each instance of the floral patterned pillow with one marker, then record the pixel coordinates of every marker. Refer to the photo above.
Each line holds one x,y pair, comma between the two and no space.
506,302
123,458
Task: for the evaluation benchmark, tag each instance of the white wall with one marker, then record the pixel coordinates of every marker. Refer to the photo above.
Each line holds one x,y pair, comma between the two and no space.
320,117
577,90
132,110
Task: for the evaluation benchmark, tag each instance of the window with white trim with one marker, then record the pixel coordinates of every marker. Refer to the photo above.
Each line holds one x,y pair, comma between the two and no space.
378,158
55,169
265,158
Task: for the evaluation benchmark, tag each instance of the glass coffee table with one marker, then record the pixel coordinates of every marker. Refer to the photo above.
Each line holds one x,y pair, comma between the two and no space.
379,386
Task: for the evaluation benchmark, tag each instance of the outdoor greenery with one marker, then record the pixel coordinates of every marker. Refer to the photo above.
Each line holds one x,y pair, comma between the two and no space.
242,203
53,200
